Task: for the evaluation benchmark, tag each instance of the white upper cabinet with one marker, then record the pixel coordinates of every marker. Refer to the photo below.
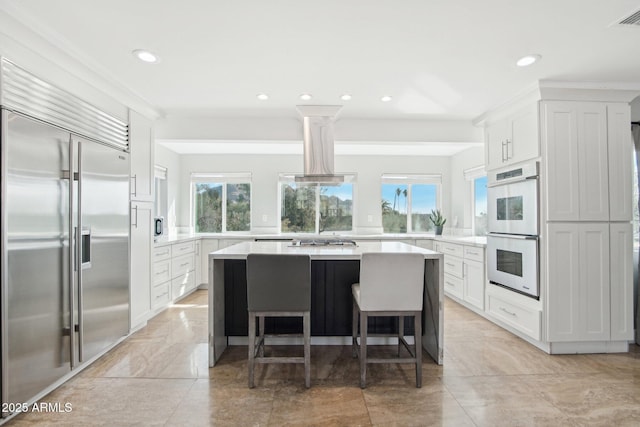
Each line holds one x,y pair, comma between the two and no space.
513,139
142,159
621,173
577,160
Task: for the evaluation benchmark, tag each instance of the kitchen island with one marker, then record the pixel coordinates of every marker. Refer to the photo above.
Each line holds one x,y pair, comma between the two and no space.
334,268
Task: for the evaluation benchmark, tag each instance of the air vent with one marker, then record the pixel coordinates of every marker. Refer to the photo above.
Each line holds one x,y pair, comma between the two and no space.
633,19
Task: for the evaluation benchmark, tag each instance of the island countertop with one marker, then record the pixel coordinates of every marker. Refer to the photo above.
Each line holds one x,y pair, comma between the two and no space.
241,250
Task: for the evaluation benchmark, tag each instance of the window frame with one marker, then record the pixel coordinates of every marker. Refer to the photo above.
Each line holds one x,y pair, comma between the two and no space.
349,178
410,180
160,202
222,178
470,175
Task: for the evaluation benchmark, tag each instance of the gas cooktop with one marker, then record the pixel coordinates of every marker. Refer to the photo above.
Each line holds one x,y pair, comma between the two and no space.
324,242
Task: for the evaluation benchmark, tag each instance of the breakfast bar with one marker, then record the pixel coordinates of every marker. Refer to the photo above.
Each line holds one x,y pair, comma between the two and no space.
335,266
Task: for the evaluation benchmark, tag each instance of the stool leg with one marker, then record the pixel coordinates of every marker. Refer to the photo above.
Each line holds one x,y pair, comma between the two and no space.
306,325
261,336
354,330
418,341
252,342
363,349
400,332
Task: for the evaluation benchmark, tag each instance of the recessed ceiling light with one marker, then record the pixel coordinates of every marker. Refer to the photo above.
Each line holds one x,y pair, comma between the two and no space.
346,97
386,98
146,56
262,96
527,60
305,96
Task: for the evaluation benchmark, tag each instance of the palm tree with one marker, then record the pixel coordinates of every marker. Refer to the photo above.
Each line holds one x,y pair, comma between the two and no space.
404,193
398,192
386,207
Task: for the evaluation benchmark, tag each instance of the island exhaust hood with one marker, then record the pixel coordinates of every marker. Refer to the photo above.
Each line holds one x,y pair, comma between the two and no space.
318,143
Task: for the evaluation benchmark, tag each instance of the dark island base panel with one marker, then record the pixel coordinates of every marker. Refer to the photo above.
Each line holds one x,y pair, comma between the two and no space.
331,302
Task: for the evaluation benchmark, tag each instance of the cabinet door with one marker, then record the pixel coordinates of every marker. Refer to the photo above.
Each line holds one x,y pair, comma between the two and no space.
621,175
560,140
474,281
198,271
522,139
496,144
593,166
563,282
142,159
621,281
141,247
578,282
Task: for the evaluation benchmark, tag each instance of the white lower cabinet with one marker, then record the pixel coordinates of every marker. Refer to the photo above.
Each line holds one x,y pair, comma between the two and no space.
518,316
174,272
464,272
578,282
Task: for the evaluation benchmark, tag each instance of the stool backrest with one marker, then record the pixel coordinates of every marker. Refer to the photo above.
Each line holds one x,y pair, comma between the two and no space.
278,282
391,282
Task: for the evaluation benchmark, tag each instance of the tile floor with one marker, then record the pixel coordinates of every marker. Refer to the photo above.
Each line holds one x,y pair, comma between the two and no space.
159,376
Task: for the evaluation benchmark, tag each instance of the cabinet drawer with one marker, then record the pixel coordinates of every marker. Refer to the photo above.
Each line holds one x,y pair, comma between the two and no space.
162,252
182,265
182,285
161,271
451,249
453,286
525,320
474,253
183,248
453,266
160,295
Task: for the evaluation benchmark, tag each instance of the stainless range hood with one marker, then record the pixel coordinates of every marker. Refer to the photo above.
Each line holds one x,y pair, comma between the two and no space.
318,143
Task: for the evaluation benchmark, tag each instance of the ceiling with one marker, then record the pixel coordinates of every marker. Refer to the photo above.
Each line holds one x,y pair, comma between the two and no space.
438,59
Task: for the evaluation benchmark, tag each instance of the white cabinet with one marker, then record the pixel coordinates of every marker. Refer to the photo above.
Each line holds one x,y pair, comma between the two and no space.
578,282
588,157
161,290
504,306
198,261
141,244
142,157
621,263
621,168
464,272
513,139
183,265
174,271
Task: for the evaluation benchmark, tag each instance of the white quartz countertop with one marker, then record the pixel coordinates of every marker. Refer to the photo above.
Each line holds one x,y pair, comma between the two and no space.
241,250
479,241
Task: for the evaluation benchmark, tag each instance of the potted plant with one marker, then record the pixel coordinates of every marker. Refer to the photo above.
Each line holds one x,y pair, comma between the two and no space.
438,220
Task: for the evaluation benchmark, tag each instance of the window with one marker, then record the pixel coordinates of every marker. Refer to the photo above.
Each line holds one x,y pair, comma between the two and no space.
160,205
480,206
221,202
407,202
314,207
478,179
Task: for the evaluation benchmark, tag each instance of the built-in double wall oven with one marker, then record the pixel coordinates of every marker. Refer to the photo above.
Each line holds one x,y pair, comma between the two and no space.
512,241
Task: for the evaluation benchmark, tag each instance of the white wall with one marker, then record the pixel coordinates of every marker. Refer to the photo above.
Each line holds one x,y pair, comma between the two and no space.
265,170
171,161
461,190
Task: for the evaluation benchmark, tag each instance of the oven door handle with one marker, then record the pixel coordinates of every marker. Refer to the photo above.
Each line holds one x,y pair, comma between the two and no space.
513,236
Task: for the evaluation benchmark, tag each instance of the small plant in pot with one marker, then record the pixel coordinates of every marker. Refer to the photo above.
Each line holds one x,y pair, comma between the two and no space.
438,220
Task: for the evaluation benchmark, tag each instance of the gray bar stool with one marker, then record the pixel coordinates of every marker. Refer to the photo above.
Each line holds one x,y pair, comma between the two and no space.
391,284
280,286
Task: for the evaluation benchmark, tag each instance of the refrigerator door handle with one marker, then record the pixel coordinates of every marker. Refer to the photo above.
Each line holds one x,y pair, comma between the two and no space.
81,255
85,244
73,253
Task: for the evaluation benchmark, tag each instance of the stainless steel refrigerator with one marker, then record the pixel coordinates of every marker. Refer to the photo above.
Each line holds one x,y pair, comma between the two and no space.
65,252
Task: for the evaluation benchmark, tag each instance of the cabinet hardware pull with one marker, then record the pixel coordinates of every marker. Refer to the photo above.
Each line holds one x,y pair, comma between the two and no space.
508,312
135,208
135,185
161,272
509,156
504,144
184,265
450,265
449,283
